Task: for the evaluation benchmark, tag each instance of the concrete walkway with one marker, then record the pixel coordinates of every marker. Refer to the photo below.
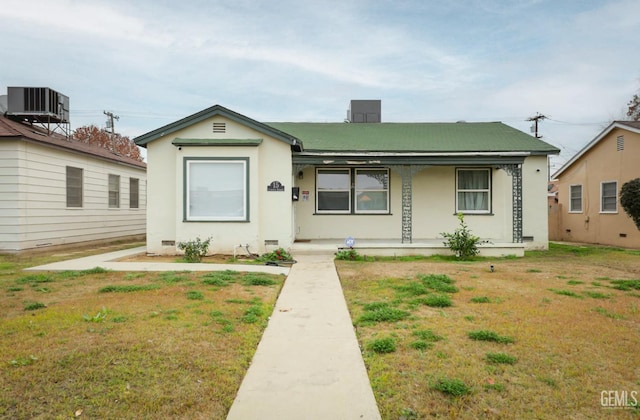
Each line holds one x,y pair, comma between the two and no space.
109,261
308,364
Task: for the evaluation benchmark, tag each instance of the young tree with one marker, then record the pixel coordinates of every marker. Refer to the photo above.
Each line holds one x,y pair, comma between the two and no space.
630,200
634,108
90,134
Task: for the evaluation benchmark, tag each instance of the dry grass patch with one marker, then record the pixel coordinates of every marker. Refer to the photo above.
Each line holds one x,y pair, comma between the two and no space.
559,354
127,345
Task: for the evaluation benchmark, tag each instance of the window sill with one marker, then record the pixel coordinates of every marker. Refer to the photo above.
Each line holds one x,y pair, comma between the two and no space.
474,214
216,221
353,214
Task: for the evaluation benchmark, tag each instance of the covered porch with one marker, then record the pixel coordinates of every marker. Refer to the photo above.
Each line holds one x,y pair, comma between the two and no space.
397,248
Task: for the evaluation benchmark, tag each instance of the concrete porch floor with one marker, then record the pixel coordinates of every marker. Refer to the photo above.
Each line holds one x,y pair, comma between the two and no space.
390,247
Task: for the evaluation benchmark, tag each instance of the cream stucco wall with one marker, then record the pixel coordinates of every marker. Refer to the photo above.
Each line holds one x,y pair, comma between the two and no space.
602,163
433,208
270,212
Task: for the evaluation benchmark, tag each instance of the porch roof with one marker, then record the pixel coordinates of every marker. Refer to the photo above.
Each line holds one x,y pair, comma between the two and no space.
402,138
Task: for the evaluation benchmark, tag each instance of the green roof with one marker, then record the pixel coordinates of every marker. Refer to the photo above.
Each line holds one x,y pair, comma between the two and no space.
413,137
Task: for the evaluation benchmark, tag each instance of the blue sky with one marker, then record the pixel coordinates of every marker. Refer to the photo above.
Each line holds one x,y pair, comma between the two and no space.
155,61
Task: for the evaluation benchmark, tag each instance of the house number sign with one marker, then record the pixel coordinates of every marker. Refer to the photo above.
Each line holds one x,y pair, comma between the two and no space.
275,186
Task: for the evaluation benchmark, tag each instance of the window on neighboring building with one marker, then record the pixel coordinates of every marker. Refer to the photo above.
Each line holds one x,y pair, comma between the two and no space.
216,189
114,191
575,201
74,187
134,193
360,191
473,190
609,197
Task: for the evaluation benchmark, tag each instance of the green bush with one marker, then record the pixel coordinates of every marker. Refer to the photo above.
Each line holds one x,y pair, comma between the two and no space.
383,345
194,250
502,358
630,200
348,255
461,242
279,254
453,387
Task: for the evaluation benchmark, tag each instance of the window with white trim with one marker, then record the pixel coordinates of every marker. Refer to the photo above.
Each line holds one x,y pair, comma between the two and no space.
216,190
74,186
114,191
575,198
372,190
473,190
333,191
352,190
609,197
134,193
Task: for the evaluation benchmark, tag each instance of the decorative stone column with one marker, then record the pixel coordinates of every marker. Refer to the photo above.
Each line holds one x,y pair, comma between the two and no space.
407,172
515,170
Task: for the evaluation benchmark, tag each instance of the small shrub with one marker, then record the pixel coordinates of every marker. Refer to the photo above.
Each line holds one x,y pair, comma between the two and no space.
194,250
501,358
461,242
439,283
630,199
348,255
252,314
486,335
195,295
257,279
480,299
382,345
279,254
437,301
453,387
34,306
383,314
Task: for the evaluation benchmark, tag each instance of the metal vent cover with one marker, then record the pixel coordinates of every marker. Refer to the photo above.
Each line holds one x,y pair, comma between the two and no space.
219,127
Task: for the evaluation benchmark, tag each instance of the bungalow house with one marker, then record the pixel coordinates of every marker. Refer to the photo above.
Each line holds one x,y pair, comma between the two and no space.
589,185
54,191
393,187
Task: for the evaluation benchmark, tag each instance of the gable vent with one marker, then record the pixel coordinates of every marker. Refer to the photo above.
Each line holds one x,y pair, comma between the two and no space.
620,143
219,127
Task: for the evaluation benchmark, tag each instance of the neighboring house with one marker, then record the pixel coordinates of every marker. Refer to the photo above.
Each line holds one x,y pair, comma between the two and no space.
394,187
54,191
589,186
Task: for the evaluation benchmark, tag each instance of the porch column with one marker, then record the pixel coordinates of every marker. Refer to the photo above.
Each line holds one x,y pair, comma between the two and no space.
407,172
515,170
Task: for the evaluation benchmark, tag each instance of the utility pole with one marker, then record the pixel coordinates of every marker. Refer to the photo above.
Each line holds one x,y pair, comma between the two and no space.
111,125
535,120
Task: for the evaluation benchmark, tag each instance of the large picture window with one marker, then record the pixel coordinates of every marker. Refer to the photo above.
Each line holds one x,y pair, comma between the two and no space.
74,187
345,190
575,203
473,190
216,189
609,197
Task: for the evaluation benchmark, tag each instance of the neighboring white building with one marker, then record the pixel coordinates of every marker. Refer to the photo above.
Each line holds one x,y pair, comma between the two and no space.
54,191
394,187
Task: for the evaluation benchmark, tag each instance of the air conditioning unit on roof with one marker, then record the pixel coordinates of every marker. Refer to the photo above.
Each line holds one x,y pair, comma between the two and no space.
38,104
